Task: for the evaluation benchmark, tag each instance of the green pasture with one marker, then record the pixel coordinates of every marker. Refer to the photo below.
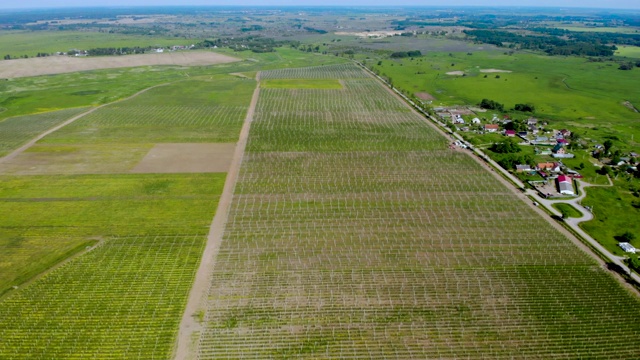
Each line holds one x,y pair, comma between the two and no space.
614,214
628,51
30,43
330,84
568,209
571,92
54,216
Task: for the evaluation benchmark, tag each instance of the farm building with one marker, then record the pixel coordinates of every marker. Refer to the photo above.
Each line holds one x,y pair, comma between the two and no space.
491,128
553,167
565,185
627,247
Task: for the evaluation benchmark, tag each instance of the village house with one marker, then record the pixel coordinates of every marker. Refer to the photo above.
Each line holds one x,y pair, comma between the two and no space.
559,149
523,168
510,133
532,121
565,185
553,167
565,133
533,129
491,128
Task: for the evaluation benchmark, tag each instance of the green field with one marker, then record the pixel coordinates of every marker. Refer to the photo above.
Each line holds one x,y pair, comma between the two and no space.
567,209
354,231
17,131
186,111
614,214
628,51
54,216
571,92
301,84
30,43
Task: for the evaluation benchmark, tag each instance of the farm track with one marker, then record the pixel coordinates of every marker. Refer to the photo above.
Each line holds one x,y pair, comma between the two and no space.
197,296
29,144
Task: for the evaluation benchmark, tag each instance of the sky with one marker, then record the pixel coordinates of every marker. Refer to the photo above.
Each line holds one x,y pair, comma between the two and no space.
611,4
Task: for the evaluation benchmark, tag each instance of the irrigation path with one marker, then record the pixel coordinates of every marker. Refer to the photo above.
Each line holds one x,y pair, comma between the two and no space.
190,326
24,147
573,224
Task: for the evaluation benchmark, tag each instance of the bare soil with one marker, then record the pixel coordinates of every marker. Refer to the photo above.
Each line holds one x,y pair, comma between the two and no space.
65,64
494,71
456,73
187,158
425,96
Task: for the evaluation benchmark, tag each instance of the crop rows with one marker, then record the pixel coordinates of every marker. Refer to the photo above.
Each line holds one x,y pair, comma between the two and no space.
123,299
340,71
16,131
191,111
356,233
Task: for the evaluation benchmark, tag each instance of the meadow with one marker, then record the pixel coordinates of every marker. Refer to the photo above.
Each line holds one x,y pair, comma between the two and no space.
355,231
30,43
572,92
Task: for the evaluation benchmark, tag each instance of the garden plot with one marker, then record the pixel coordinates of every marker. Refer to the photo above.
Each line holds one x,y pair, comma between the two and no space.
186,158
355,233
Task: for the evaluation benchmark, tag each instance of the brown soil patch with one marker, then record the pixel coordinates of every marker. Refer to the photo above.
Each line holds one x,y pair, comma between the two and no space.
51,159
66,64
187,158
494,71
425,96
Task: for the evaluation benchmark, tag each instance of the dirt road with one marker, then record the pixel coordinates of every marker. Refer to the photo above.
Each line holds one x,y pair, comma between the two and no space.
189,326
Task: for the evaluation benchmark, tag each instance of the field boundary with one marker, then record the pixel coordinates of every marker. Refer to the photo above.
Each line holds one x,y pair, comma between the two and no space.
32,142
189,325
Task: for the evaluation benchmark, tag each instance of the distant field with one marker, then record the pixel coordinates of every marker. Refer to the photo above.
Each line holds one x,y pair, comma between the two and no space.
301,84
569,91
18,43
628,51
621,30
64,64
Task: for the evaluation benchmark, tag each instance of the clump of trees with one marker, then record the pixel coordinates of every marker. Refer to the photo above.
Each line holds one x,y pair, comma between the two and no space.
491,105
505,147
525,108
404,54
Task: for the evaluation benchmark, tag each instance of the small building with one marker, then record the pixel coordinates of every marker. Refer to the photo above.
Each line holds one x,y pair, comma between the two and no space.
510,133
533,129
627,247
532,121
522,133
565,185
542,139
475,120
565,133
523,168
553,167
559,149
491,128
562,141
